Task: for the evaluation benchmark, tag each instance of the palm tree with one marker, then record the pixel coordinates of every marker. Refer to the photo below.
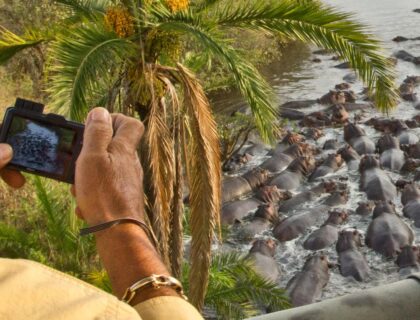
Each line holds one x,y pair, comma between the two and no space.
128,55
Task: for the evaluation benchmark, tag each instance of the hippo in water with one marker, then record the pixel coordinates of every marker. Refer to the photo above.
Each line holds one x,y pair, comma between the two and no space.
356,137
290,139
306,286
374,181
331,144
233,188
293,226
301,198
295,173
339,114
272,194
410,199
404,134
333,97
264,217
236,162
351,261
412,150
279,161
350,156
235,211
261,257
331,164
409,260
365,208
327,234
387,233
392,157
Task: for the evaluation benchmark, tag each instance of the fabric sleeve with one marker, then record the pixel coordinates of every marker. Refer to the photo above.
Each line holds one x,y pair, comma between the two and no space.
167,307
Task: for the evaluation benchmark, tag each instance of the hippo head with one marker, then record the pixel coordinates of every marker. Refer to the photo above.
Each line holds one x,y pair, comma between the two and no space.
383,207
348,153
365,207
387,142
337,160
318,261
351,131
292,138
349,239
314,133
412,79
236,162
256,177
296,150
411,192
398,126
369,162
410,165
337,198
401,183
330,144
413,150
337,217
272,194
304,165
409,257
268,212
342,86
265,247
329,186
339,114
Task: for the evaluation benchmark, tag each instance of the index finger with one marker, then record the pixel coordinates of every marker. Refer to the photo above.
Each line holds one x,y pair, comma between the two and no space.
127,131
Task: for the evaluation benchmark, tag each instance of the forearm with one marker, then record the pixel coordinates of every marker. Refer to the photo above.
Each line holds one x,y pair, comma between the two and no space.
128,256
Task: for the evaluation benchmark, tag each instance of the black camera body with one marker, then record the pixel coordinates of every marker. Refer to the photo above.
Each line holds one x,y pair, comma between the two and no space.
44,144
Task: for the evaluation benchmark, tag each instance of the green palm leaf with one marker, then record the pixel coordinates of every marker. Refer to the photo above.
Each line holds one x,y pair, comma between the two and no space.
325,27
85,8
11,44
81,58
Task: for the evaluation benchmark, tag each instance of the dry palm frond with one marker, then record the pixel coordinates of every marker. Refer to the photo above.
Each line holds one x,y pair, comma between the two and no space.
176,235
161,164
204,172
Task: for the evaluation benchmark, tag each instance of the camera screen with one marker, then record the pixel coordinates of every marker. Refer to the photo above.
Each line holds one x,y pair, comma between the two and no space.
40,146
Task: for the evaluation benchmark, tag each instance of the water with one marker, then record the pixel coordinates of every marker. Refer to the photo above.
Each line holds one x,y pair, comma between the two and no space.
296,77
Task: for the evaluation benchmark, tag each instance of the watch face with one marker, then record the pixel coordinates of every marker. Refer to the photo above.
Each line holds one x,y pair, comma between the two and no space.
41,146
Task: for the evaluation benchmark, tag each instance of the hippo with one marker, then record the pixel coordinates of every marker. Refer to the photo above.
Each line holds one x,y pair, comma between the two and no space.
306,196
293,226
350,156
306,286
316,119
409,259
255,149
235,211
272,194
331,164
263,218
332,97
410,198
352,106
291,138
327,234
291,114
404,134
234,187
300,104
351,261
410,165
407,91
404,55
365,208
374,181
236,162
293,176
339,114
279,161
387,233
261,256
391,155
342,86
331,144
356,137
312,133
412,150
337,198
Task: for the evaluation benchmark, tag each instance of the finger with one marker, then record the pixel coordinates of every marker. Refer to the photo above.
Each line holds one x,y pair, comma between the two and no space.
6,154
13,178
73,190
98,131
127,131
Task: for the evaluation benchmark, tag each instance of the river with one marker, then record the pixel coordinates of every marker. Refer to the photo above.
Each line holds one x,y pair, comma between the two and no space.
296,77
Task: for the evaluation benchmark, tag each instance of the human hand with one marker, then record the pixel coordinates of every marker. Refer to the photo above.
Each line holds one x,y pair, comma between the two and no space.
13,178
109,177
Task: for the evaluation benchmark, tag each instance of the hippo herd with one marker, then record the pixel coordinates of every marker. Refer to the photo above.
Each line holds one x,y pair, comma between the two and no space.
299,192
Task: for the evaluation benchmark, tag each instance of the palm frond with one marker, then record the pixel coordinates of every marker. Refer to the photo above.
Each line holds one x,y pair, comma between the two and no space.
86,8
100,279
161,162
311,21
11,44
203,167
252,85
81,57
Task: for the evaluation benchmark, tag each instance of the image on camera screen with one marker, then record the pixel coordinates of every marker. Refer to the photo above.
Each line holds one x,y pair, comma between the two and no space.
40,147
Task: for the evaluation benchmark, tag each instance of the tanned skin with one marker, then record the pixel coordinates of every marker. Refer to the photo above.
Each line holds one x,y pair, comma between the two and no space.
108,186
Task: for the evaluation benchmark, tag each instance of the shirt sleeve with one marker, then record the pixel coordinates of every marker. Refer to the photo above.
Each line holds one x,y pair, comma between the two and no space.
167,307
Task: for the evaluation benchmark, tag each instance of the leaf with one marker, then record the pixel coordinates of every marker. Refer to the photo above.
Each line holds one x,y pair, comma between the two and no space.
11,44
203,168
80,58
86,8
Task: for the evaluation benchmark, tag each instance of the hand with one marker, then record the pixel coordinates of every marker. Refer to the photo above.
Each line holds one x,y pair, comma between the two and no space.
13,178
109,177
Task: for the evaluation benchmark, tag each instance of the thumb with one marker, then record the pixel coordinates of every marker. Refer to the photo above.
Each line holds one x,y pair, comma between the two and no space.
6,154
98,131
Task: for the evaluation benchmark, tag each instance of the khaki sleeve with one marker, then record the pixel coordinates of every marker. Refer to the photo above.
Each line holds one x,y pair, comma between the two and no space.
167,307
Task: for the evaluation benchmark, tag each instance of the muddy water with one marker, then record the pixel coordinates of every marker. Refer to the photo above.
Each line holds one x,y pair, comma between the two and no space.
298,78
